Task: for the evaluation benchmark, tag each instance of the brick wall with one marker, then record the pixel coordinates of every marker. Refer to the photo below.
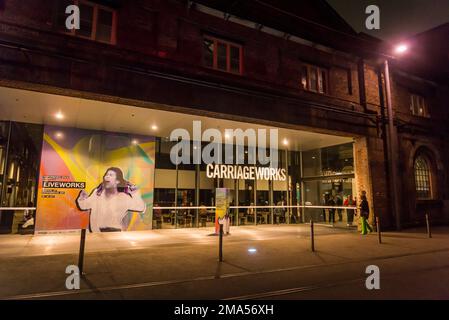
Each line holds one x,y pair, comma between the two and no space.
158,59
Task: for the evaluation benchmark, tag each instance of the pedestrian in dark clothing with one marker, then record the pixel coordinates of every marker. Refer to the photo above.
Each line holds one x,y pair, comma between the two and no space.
331,203
364,215
349,202
325,203
339,203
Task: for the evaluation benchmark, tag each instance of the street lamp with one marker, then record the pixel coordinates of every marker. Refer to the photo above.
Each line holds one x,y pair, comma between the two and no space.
392,138
401,48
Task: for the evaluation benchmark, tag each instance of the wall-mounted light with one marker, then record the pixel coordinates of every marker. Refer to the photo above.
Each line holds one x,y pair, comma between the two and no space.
59,115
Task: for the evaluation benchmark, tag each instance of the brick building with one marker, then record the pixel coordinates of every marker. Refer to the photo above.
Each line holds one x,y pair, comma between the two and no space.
143,68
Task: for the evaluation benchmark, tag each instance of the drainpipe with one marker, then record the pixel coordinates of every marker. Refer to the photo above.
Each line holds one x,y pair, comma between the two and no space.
393,149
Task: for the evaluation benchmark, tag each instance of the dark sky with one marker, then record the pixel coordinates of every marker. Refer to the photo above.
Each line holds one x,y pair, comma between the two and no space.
398,18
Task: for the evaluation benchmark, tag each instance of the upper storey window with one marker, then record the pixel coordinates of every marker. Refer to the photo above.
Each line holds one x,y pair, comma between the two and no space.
314,79
97,22
418,106
222,55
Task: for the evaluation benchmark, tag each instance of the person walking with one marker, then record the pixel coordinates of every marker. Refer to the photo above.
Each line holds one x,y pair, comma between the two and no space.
349,202
339,203
331,204
324,202
364,214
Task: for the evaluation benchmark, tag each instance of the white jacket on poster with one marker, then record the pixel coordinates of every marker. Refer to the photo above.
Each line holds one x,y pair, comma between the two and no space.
109,211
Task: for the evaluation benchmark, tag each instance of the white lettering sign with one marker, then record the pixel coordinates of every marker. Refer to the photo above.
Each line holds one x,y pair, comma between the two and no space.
223,171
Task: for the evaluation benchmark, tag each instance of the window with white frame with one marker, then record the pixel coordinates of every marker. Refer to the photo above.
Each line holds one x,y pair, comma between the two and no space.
97,22
314,79
418,106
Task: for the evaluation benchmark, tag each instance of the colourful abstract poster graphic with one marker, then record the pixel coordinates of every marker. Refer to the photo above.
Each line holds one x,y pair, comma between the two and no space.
222,201
97,180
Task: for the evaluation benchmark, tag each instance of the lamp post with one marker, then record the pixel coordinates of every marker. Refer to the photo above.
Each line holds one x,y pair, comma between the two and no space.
392,140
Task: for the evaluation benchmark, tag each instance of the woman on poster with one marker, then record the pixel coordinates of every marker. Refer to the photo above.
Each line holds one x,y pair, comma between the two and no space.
110,202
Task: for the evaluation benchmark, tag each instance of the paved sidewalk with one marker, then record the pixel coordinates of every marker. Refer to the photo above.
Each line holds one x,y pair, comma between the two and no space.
39,245
183,263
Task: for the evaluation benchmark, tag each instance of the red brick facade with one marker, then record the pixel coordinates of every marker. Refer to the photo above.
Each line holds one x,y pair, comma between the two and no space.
158,59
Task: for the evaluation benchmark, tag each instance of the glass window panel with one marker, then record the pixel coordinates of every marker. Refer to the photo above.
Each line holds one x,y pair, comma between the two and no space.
86,20
235,59
304,77
20,168
313,79
312,163
104,26
320,82
163,148
422,110
337,159
418,105
208,52
222,56
323,81
61,16
422,178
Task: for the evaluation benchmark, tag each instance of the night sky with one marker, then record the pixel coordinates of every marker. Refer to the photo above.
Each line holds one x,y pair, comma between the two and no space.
398,18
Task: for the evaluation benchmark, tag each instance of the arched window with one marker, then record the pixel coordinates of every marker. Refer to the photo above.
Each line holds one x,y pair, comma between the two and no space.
422,178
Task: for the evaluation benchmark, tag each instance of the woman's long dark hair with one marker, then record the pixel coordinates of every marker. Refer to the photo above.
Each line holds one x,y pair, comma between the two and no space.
123,186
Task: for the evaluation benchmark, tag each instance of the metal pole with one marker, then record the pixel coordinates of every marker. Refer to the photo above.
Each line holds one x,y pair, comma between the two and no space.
197,195
236,199
176,187
270,186
236,191
312,236
392,139
5,167
303,211
81,254
287,199
255,197
379,234
429,227
220,244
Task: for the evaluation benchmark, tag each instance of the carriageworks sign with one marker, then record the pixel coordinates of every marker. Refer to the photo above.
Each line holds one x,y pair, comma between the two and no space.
223,171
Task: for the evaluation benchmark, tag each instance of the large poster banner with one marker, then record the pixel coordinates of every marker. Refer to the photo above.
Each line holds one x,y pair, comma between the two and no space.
97,180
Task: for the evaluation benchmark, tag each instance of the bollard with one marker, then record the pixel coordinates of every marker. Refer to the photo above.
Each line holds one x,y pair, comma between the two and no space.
312,236
81,255
429,227
220,244
379,234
